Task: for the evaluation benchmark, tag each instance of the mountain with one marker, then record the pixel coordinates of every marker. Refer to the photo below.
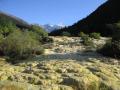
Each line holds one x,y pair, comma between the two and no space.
98,21
17,21
49,28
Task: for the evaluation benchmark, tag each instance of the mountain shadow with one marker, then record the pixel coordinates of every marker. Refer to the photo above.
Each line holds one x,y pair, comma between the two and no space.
98,21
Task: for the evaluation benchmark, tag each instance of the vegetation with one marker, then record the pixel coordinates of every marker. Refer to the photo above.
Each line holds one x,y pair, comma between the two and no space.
116,42
87,40
112,48
66,34
6,26
107,49
81,34
47,40
95,22
95,35
17,21
20,43
40,32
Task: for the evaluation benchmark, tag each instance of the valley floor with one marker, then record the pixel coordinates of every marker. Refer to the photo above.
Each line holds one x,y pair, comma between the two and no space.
66,65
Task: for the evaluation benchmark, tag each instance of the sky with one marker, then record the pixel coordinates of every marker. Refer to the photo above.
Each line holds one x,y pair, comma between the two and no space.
59,12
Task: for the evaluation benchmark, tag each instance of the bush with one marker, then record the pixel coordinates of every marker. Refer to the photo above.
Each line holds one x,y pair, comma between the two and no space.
112,49
66,34
40,32
87,40
6,26
107,50
1,40
47,40
38,51
82,34
95,35
18,45
116,41
116,46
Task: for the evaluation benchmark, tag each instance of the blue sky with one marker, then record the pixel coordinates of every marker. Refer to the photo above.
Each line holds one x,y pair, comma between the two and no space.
64,12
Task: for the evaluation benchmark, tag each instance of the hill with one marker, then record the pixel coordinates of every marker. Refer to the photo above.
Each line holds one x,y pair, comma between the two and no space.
17,21
98,21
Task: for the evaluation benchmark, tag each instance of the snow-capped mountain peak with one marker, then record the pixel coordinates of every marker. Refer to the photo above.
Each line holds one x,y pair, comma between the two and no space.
50,28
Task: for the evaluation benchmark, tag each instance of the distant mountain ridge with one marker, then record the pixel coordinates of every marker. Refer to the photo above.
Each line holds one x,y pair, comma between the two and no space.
49,28
23,24
98,21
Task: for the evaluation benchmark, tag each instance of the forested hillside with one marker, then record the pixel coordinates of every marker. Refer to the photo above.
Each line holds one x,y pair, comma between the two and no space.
101,21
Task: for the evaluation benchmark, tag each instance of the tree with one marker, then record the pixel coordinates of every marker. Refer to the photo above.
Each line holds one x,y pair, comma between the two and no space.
112,48
40,32
65,33
19,45
6,26
95,35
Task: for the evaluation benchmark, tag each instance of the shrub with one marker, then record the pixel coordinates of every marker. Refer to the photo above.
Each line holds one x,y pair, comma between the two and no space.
116,44
18,45
6,26
107,50
95,35
1,40
112,49
81,34
47,40
66,34
38,51
87,40
40,32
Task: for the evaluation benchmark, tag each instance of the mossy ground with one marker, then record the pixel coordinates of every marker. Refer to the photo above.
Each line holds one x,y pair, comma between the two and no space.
62,71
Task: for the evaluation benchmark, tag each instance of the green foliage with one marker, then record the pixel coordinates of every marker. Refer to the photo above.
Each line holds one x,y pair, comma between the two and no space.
95,35
47,40
65,33
1,38
6,26
107,50
32,34
19,45
87,40
81,34
112,49
116,43
39,51
40,32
